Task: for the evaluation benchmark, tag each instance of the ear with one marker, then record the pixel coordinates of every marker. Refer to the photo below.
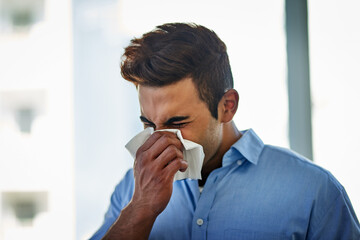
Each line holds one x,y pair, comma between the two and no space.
228,105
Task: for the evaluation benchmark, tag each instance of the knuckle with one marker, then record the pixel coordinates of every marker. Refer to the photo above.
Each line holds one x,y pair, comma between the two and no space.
142,157
172,148
166,139
177,163
140,154
156,134
180,154
180,145
174,152
149,154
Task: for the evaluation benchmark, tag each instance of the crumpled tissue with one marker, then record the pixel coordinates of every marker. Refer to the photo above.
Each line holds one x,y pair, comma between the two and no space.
193,152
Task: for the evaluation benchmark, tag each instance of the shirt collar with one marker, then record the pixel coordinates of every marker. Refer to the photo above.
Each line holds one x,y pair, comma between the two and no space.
249,146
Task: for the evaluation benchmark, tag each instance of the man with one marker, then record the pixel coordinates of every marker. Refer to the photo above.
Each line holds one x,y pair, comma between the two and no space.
248,190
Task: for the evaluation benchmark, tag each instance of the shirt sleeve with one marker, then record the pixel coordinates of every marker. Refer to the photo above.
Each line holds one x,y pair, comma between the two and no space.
119,199
339,221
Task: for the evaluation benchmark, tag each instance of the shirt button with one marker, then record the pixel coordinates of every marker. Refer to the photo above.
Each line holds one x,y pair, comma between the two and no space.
199,221
239,162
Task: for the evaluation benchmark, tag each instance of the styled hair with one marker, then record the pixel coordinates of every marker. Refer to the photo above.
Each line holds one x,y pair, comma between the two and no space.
174,51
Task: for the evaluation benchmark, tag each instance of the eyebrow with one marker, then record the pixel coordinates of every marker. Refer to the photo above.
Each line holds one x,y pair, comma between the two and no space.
145,120
168,122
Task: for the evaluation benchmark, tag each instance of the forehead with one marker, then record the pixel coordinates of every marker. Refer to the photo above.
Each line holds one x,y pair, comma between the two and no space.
160,103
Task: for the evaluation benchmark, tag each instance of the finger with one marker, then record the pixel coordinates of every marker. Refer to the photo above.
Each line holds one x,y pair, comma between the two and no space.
149,142
174,166
168,155
162,143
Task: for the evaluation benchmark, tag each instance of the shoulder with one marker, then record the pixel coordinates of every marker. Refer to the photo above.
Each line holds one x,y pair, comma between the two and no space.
300,172
311,186
293,161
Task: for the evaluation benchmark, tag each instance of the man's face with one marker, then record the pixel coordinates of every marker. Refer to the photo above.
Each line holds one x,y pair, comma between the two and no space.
178,106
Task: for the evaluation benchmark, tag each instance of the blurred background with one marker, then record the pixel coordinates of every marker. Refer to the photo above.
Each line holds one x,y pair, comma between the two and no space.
66,114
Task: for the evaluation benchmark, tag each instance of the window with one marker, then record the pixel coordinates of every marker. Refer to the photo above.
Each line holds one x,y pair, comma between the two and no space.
23,207
20,15
334,37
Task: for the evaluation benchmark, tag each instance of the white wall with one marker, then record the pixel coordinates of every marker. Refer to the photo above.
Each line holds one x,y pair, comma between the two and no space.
106,111
36,72
334,34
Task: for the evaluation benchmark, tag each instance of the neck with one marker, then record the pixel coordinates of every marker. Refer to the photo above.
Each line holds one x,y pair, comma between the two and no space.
230,135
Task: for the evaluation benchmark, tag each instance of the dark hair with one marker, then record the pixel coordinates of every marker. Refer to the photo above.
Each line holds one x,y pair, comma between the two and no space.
174,51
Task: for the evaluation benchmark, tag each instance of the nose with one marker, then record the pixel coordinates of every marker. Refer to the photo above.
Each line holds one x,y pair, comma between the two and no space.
161,128
157,128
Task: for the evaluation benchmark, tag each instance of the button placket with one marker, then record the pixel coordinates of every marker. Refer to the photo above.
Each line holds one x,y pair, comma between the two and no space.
200,222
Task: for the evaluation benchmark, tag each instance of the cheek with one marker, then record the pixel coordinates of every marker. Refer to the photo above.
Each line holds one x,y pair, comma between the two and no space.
196,131
210,138
211,142
191,134
206,132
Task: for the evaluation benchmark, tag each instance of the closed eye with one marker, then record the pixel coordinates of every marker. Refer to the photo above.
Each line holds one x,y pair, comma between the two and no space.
179,125
146,122
149,125
177,121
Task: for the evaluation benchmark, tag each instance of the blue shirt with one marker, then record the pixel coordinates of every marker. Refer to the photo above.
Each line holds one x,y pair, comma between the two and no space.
260,192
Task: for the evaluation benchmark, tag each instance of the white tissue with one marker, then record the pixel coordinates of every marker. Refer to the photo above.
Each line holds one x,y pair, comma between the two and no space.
193,152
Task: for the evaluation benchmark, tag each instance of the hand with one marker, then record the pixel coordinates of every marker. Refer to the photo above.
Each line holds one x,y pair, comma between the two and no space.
156,163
